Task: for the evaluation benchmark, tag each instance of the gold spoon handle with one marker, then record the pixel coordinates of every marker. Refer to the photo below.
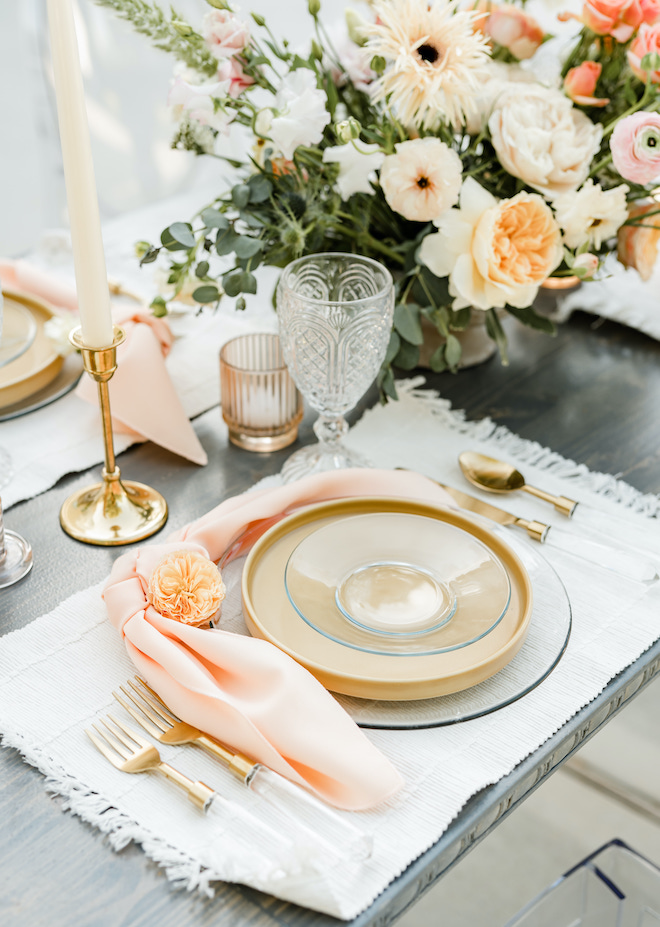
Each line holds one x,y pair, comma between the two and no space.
561,503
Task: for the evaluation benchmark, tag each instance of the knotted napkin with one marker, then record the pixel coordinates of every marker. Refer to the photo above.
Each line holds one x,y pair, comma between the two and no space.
142,395
243,691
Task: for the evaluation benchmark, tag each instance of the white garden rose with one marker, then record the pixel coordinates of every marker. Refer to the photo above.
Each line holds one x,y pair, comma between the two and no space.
540,137
422,179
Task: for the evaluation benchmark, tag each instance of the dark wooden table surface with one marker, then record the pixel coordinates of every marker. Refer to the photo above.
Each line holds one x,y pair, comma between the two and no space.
592,394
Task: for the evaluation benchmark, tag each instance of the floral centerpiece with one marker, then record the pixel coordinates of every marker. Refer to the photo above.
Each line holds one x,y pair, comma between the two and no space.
459,143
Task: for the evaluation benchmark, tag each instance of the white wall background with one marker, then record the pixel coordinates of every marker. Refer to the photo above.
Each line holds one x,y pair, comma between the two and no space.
126,83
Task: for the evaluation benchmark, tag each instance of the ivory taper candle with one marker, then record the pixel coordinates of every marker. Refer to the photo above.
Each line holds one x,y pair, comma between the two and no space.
82,198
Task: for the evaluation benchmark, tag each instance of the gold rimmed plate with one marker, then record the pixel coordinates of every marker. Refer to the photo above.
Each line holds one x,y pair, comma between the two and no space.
39,365
270,615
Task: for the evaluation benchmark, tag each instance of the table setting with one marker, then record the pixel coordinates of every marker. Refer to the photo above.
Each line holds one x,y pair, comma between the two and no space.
302,683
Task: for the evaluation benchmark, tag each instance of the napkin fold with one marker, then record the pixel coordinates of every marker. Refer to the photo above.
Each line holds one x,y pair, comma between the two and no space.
243,691
142,395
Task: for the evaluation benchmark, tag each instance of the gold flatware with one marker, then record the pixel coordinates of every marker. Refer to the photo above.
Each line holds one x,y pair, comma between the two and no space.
497,476
602,554
338,835
130,753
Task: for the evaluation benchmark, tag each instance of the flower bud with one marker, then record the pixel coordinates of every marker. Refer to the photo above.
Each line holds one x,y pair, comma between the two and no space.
314,7
182,28
356,27
348,130
257,17
317,51
141,248
219,4
378,64
585,265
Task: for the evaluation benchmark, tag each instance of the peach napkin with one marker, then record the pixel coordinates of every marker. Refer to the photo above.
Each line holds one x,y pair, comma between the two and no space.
243,691
142,395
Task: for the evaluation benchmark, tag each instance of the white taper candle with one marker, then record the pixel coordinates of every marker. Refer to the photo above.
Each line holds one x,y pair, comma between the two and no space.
82,198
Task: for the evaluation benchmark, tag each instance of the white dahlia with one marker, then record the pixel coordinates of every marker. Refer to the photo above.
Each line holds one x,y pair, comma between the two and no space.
436,60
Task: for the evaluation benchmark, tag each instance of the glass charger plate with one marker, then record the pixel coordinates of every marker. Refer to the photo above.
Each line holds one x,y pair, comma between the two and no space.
546,642
397,582
269,613
63,383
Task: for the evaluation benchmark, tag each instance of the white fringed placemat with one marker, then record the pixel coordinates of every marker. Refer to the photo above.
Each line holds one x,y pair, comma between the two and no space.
57,675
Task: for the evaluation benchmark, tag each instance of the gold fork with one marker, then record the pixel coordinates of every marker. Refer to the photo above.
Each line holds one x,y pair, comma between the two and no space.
296,807
130,753
148,709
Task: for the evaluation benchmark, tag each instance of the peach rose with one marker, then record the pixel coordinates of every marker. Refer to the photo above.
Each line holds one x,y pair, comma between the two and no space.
513,29
645,42
580,84
494,253
638,244
635,147
186,586
618,18
650,11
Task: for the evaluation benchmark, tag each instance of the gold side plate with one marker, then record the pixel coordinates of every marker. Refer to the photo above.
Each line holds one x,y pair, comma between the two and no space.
39,365
270,615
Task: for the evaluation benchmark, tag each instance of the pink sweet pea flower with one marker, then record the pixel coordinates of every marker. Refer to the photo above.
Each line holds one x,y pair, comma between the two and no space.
618,18
580,84
513,29
635,147
645,42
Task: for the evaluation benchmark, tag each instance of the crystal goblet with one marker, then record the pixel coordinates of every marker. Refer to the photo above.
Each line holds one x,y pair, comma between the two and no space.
335,316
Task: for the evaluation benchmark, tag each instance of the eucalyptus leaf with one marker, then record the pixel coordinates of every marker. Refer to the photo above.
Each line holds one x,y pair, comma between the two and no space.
239,281
226,241
178,237
406,322
214,219
392,348
437,360
452,351
533,320
407,357
260,188
150,256
202,269
459,319
496,332
247,247
206,294
240,195
386,382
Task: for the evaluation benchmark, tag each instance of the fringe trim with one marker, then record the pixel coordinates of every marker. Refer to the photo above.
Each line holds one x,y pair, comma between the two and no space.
603,484
182,871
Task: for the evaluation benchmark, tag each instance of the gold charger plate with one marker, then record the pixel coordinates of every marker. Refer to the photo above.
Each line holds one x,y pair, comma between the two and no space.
39,365
270,615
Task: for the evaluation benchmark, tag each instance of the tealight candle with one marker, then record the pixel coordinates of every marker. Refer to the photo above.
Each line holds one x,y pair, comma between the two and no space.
82,198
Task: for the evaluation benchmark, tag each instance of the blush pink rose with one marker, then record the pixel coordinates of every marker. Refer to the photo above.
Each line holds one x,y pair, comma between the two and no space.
513,29
580,84
232,70
224,33
645,42
635,147
618,18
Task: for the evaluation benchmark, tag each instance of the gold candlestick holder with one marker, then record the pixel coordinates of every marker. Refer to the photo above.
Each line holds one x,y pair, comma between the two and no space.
114,511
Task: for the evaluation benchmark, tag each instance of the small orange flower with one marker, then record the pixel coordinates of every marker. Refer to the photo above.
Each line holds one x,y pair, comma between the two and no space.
186,586
580,84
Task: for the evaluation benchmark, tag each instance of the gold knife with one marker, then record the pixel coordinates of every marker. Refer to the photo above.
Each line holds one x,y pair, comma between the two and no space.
600,552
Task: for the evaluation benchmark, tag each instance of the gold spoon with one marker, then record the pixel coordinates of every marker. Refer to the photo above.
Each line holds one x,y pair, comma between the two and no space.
498,476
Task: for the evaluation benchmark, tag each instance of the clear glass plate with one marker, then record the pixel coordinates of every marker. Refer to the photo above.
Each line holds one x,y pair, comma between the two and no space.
397,583
546,641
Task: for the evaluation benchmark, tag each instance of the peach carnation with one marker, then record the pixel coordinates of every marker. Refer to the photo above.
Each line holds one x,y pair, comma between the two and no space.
646,42
186,586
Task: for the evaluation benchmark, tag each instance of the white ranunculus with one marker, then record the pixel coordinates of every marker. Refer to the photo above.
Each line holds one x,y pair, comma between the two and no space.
592,214
422,179
302,115
357,167
540,137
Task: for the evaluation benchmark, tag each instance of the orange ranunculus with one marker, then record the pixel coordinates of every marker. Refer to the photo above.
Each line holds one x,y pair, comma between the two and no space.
186,586
638,244
645,42
618,18
580,83
513,29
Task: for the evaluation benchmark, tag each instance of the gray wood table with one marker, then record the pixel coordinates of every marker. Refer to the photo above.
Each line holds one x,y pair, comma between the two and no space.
592,394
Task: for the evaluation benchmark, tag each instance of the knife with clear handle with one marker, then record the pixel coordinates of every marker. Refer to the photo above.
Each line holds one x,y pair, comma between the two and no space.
601,553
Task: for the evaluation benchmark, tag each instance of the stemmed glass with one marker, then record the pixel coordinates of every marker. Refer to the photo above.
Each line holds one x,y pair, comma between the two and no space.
335,316
15,552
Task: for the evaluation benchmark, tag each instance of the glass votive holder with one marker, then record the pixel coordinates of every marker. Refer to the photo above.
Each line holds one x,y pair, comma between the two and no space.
260,403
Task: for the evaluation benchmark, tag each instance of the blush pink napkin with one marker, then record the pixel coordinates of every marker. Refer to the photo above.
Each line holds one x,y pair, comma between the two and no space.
142,396
243,691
